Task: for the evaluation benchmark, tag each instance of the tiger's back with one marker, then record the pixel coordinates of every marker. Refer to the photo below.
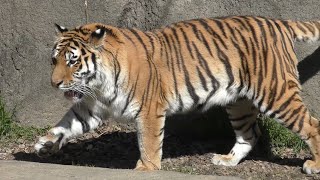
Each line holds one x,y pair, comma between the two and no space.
215,61
246,63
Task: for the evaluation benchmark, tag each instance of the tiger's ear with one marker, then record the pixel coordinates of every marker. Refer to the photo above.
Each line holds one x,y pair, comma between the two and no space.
60,29
98,36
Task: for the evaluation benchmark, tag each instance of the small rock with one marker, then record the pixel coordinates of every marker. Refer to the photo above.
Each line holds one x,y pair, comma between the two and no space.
22,146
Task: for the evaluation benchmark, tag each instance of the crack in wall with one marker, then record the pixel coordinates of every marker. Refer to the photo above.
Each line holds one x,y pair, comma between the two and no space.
86,10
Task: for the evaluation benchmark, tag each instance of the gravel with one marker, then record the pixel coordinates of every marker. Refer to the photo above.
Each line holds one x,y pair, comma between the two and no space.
114,146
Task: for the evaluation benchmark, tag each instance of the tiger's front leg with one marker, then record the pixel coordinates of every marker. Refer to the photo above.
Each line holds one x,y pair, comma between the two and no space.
77,121
150,138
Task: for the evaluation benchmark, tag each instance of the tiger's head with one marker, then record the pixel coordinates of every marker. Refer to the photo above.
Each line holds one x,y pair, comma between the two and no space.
81,55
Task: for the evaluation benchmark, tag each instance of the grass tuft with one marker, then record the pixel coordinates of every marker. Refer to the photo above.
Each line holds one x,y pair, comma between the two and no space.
10,130
278,137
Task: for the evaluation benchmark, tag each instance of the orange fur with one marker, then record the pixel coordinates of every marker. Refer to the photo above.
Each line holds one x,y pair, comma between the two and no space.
199,63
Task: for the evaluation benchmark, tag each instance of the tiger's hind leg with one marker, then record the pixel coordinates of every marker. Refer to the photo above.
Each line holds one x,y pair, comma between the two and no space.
242,115
290,111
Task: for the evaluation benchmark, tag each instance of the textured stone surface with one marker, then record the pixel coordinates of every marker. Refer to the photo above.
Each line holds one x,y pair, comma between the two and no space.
16,170
27,36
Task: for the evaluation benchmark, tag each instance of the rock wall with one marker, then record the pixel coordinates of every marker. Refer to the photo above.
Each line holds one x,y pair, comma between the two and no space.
27,34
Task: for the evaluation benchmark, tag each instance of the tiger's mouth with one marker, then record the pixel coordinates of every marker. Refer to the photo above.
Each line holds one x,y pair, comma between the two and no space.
73,95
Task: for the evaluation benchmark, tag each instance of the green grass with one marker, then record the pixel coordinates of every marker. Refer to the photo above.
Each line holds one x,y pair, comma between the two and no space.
10,130
278,138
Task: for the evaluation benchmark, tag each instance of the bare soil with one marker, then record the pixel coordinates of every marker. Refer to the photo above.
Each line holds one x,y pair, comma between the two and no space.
116,147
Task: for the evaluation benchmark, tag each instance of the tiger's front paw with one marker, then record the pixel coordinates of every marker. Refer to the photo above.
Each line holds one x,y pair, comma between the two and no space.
311,167
48,145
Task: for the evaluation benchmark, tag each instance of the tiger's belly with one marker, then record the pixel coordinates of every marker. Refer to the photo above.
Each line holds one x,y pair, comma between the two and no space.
220,97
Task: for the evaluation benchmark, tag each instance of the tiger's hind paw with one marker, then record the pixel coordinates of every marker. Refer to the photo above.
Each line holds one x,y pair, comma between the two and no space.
224,160
311,167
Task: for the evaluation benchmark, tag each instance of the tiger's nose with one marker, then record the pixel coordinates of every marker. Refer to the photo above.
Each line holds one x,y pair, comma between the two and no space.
56,83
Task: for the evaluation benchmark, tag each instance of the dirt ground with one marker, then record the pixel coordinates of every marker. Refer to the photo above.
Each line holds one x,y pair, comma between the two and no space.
116,147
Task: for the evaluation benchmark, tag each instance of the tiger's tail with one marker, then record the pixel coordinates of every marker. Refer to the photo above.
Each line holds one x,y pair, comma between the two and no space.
306,31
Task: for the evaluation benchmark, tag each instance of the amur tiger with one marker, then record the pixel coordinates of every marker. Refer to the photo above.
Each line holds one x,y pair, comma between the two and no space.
247,64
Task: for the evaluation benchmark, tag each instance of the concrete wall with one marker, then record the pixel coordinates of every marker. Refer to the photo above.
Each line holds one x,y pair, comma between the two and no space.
27,34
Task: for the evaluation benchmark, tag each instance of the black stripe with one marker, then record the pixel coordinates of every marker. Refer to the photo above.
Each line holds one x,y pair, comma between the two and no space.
243,40
194,30
239,127
226,61
90,113
190,88
272,31
290,126
167,41
220,25
83,52
73,49
128,100
255,57
177,50
140,108
164,42
116,69
76,43
231,29
212,32
134,32
241,22
149,79
202,79
301,121
241,118
284,45
205,42
253,31
273,90
264,40
285,104
151,41
85,125
214,83
181,106
127,36
247,129
241,81
93,59
173,71
263,94
186,39
86,61
131,96
148,59
301,27
295,112
160,116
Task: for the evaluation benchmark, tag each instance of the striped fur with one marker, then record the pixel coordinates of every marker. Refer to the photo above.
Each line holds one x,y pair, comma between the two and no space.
245,63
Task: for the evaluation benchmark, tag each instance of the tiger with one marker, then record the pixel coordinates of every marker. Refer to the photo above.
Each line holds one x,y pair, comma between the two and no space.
245,63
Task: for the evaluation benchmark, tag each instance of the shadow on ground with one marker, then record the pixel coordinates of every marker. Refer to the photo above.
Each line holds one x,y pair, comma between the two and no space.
309,66
119,150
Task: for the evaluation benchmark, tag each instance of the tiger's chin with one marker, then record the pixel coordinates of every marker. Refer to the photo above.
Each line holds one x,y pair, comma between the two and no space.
73,96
